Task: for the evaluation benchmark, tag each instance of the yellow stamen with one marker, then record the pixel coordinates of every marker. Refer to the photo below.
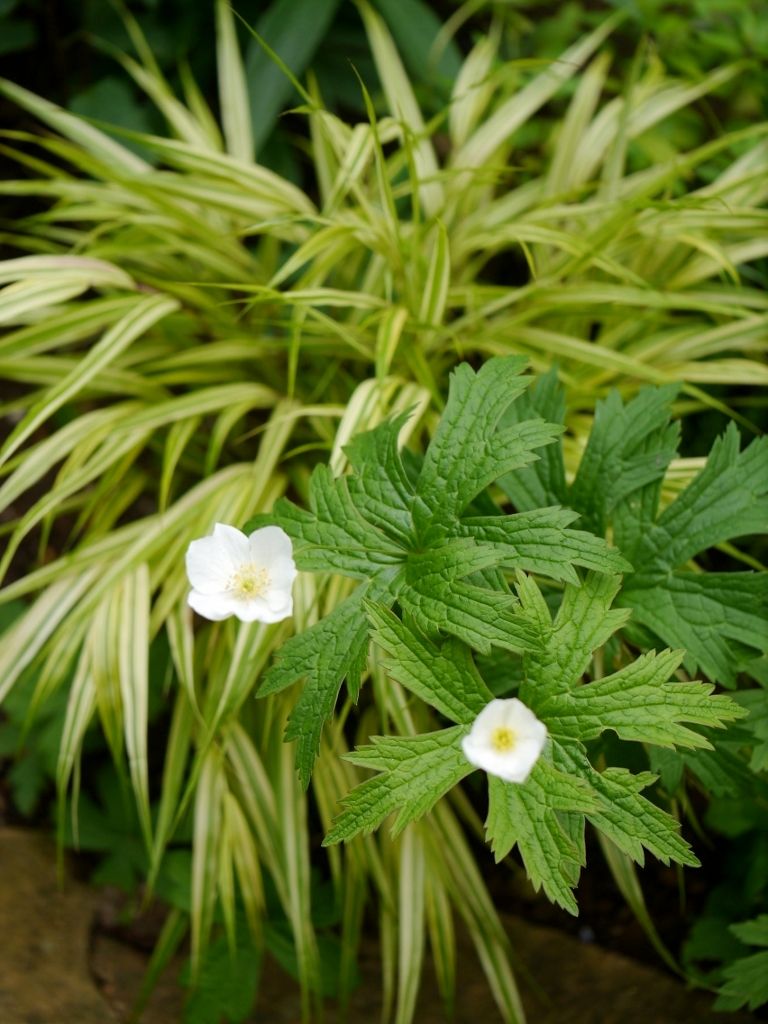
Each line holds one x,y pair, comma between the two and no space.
249,581
503,739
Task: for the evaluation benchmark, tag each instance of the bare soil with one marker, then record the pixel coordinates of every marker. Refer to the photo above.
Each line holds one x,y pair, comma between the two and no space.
62,965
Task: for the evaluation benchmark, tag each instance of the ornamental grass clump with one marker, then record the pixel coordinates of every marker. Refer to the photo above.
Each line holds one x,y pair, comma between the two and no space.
195,340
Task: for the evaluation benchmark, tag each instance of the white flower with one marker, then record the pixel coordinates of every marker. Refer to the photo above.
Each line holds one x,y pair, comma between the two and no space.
506,739
250,577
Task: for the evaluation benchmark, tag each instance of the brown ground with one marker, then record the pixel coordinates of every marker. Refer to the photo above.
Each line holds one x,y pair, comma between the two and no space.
57,967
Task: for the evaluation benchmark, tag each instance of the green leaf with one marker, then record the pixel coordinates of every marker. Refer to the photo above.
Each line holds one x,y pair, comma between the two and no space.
468,452
17,35
226,983
746,979
629,448
722,771
640,703
755,703
115,100
728,499
707,614
584,622
415,28
380,488
442,675
32,742
109,827
293,29
233,87
540,542
753,933
530,816
404,108
540,483
27,779
282,946
332,650
617,460
626,817
441,601
703,613
618,484
333,536
415,772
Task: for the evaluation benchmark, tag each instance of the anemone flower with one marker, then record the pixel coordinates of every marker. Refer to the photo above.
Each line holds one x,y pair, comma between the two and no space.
250,577
506,739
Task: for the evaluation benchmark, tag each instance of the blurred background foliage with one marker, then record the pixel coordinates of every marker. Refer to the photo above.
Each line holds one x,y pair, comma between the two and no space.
62,50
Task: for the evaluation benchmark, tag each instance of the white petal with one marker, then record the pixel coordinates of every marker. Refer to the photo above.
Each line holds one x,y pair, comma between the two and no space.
509,767
267,545
232,545
473,751
536,733
211,606
282,573
517,772
489,718
258,610
207,571
278,600
477,751
528,751
515,714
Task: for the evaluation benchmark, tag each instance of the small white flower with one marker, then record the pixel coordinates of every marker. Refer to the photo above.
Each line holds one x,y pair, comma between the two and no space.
506,739
250,577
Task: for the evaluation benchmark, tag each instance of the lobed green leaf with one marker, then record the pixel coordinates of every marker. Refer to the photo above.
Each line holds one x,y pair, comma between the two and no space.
639,702
584,622
418,770
529,816
441,674
540,542
704,613
333,535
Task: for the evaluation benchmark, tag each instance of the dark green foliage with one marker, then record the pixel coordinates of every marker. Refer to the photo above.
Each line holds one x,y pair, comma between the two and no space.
294,29
224,990
53,52
717,951
718,618
107,824
32,744
50,49
746,978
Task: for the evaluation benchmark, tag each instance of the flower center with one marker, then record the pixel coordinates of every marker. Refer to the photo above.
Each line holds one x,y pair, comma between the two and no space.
503,739
249,581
